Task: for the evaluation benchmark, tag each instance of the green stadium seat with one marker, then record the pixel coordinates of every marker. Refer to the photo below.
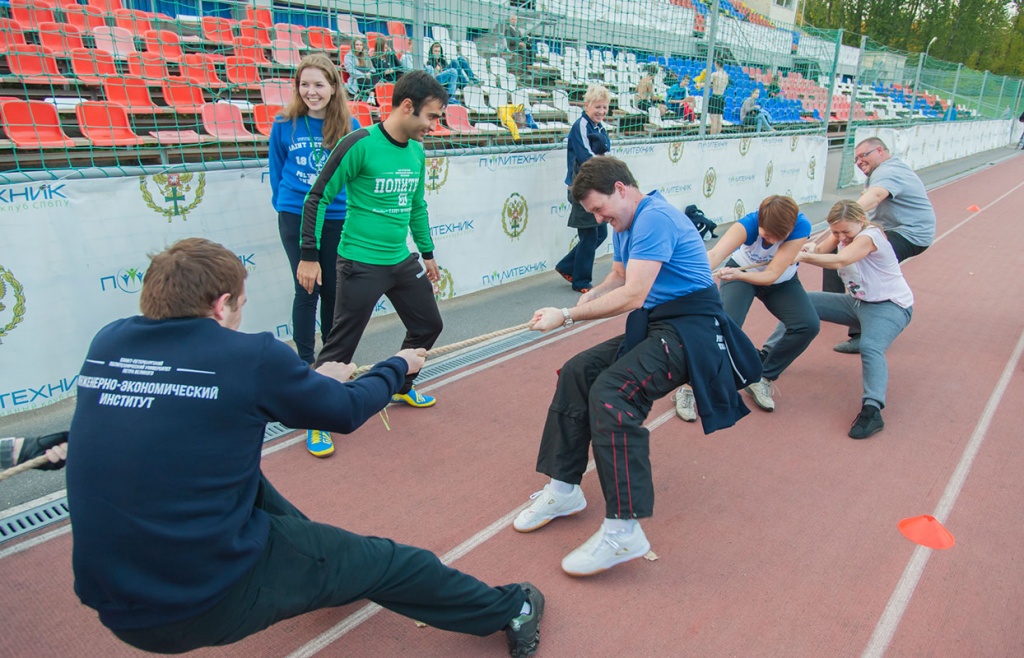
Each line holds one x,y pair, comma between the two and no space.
33,125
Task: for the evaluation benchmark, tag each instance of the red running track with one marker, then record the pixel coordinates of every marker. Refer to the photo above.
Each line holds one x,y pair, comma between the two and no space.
775,538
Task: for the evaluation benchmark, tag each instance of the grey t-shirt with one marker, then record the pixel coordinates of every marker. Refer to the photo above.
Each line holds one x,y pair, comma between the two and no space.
907,211
749,105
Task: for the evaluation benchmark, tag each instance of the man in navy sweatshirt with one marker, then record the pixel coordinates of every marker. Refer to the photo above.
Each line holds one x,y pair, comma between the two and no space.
180,541
676,332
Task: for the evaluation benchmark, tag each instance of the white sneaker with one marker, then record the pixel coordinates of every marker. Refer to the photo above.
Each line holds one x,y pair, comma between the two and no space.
604,550
548,506
685,407
762,393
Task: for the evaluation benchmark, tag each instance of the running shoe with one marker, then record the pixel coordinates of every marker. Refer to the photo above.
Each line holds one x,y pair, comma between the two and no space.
318,443
604,550
547,506
523,631
414,399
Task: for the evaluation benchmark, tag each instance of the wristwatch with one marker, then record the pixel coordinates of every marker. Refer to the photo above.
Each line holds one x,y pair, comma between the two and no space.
568,318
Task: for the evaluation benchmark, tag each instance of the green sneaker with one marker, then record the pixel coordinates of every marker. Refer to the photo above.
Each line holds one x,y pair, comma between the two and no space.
524,631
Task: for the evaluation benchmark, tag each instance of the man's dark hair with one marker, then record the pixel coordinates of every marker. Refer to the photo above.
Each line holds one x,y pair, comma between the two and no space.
419,87
184,280
599,174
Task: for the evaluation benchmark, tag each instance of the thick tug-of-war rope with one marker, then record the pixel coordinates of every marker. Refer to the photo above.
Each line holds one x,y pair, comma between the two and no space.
454,347
21,468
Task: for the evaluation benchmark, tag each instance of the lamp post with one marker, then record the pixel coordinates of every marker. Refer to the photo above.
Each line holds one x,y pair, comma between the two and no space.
917,80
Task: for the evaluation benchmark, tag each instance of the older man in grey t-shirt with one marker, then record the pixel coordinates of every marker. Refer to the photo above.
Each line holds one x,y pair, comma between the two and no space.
900,205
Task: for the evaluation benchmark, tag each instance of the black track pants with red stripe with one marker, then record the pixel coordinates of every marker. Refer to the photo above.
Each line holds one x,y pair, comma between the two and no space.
603,402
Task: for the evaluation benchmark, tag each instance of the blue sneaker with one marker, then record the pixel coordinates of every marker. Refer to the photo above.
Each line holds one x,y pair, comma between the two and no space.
414,399
318,443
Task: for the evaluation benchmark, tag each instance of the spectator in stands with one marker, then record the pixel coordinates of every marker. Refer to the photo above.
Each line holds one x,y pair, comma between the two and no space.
676,333
359,66
766,241
899,202
381,168
385,60
679,99
180,541
752,114
718,80
453,74
301,139
774,88
879,302
587,138
646,96
518,44
15,450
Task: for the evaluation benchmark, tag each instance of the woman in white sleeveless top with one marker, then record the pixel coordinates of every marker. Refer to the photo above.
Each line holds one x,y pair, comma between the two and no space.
877,300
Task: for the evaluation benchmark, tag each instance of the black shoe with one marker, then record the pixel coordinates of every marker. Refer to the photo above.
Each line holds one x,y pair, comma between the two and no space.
524,631
868,423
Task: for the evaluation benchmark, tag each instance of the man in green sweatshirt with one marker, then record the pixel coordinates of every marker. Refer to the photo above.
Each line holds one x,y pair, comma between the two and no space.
382,170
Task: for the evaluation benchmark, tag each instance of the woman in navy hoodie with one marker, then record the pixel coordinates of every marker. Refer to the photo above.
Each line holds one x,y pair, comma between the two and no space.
301,139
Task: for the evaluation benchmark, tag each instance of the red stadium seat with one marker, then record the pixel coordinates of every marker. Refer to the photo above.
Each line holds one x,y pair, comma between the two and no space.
253,30
200,70
263,116
286,53
60,38
11,34
260,15
106,124
362,112
33,125
148,66
133,20
83,17
165,43
218,30
383,92
34,65
30,13
320,38
224,121
183,96
457,118
242,71
401,45
289,32
277,91
91,66
132,93
106,6
248,47
397,29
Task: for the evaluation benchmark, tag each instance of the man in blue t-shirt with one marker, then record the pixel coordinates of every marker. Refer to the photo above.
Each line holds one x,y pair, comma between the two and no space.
180,542
660,275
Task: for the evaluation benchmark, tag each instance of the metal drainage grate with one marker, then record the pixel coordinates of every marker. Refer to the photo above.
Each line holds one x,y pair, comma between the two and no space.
33,519
475,356
275,431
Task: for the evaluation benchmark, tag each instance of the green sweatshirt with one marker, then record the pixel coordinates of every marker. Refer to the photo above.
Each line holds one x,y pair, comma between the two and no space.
384,183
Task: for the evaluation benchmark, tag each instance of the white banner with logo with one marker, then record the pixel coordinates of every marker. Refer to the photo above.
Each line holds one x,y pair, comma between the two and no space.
74,253
934,143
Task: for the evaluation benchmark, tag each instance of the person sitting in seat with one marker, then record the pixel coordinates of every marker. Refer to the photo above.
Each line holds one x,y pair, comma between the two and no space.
751,114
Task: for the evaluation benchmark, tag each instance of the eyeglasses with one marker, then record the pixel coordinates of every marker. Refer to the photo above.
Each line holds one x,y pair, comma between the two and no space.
861,156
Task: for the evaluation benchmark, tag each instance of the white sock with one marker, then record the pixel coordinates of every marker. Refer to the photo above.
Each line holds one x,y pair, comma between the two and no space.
620,525
526,608
560,487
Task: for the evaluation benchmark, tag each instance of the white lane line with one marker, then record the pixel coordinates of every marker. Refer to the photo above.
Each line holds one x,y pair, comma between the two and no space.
978,212
367,612
900,599
35,541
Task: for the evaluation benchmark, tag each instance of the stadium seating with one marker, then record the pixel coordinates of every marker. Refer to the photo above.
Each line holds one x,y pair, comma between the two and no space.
33,125
218,30
60,38
11,34
133,20
92,66
224,122
249,48
277,91
199,69
362,112
182,96
263,117
115,40
34,65
148,66
259,15
106,124
131,93
258,33
165,43
242,71
30,13
84,17
320,38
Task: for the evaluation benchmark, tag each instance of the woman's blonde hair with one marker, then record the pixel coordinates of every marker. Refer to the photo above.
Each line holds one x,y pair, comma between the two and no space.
847,210
596,93
338,121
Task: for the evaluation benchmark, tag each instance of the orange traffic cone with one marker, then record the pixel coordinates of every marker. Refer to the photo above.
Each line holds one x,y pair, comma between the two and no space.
974,208
927,531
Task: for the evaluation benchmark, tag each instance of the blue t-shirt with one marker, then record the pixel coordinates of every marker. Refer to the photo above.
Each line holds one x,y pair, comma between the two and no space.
296,158
754,250
661,232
